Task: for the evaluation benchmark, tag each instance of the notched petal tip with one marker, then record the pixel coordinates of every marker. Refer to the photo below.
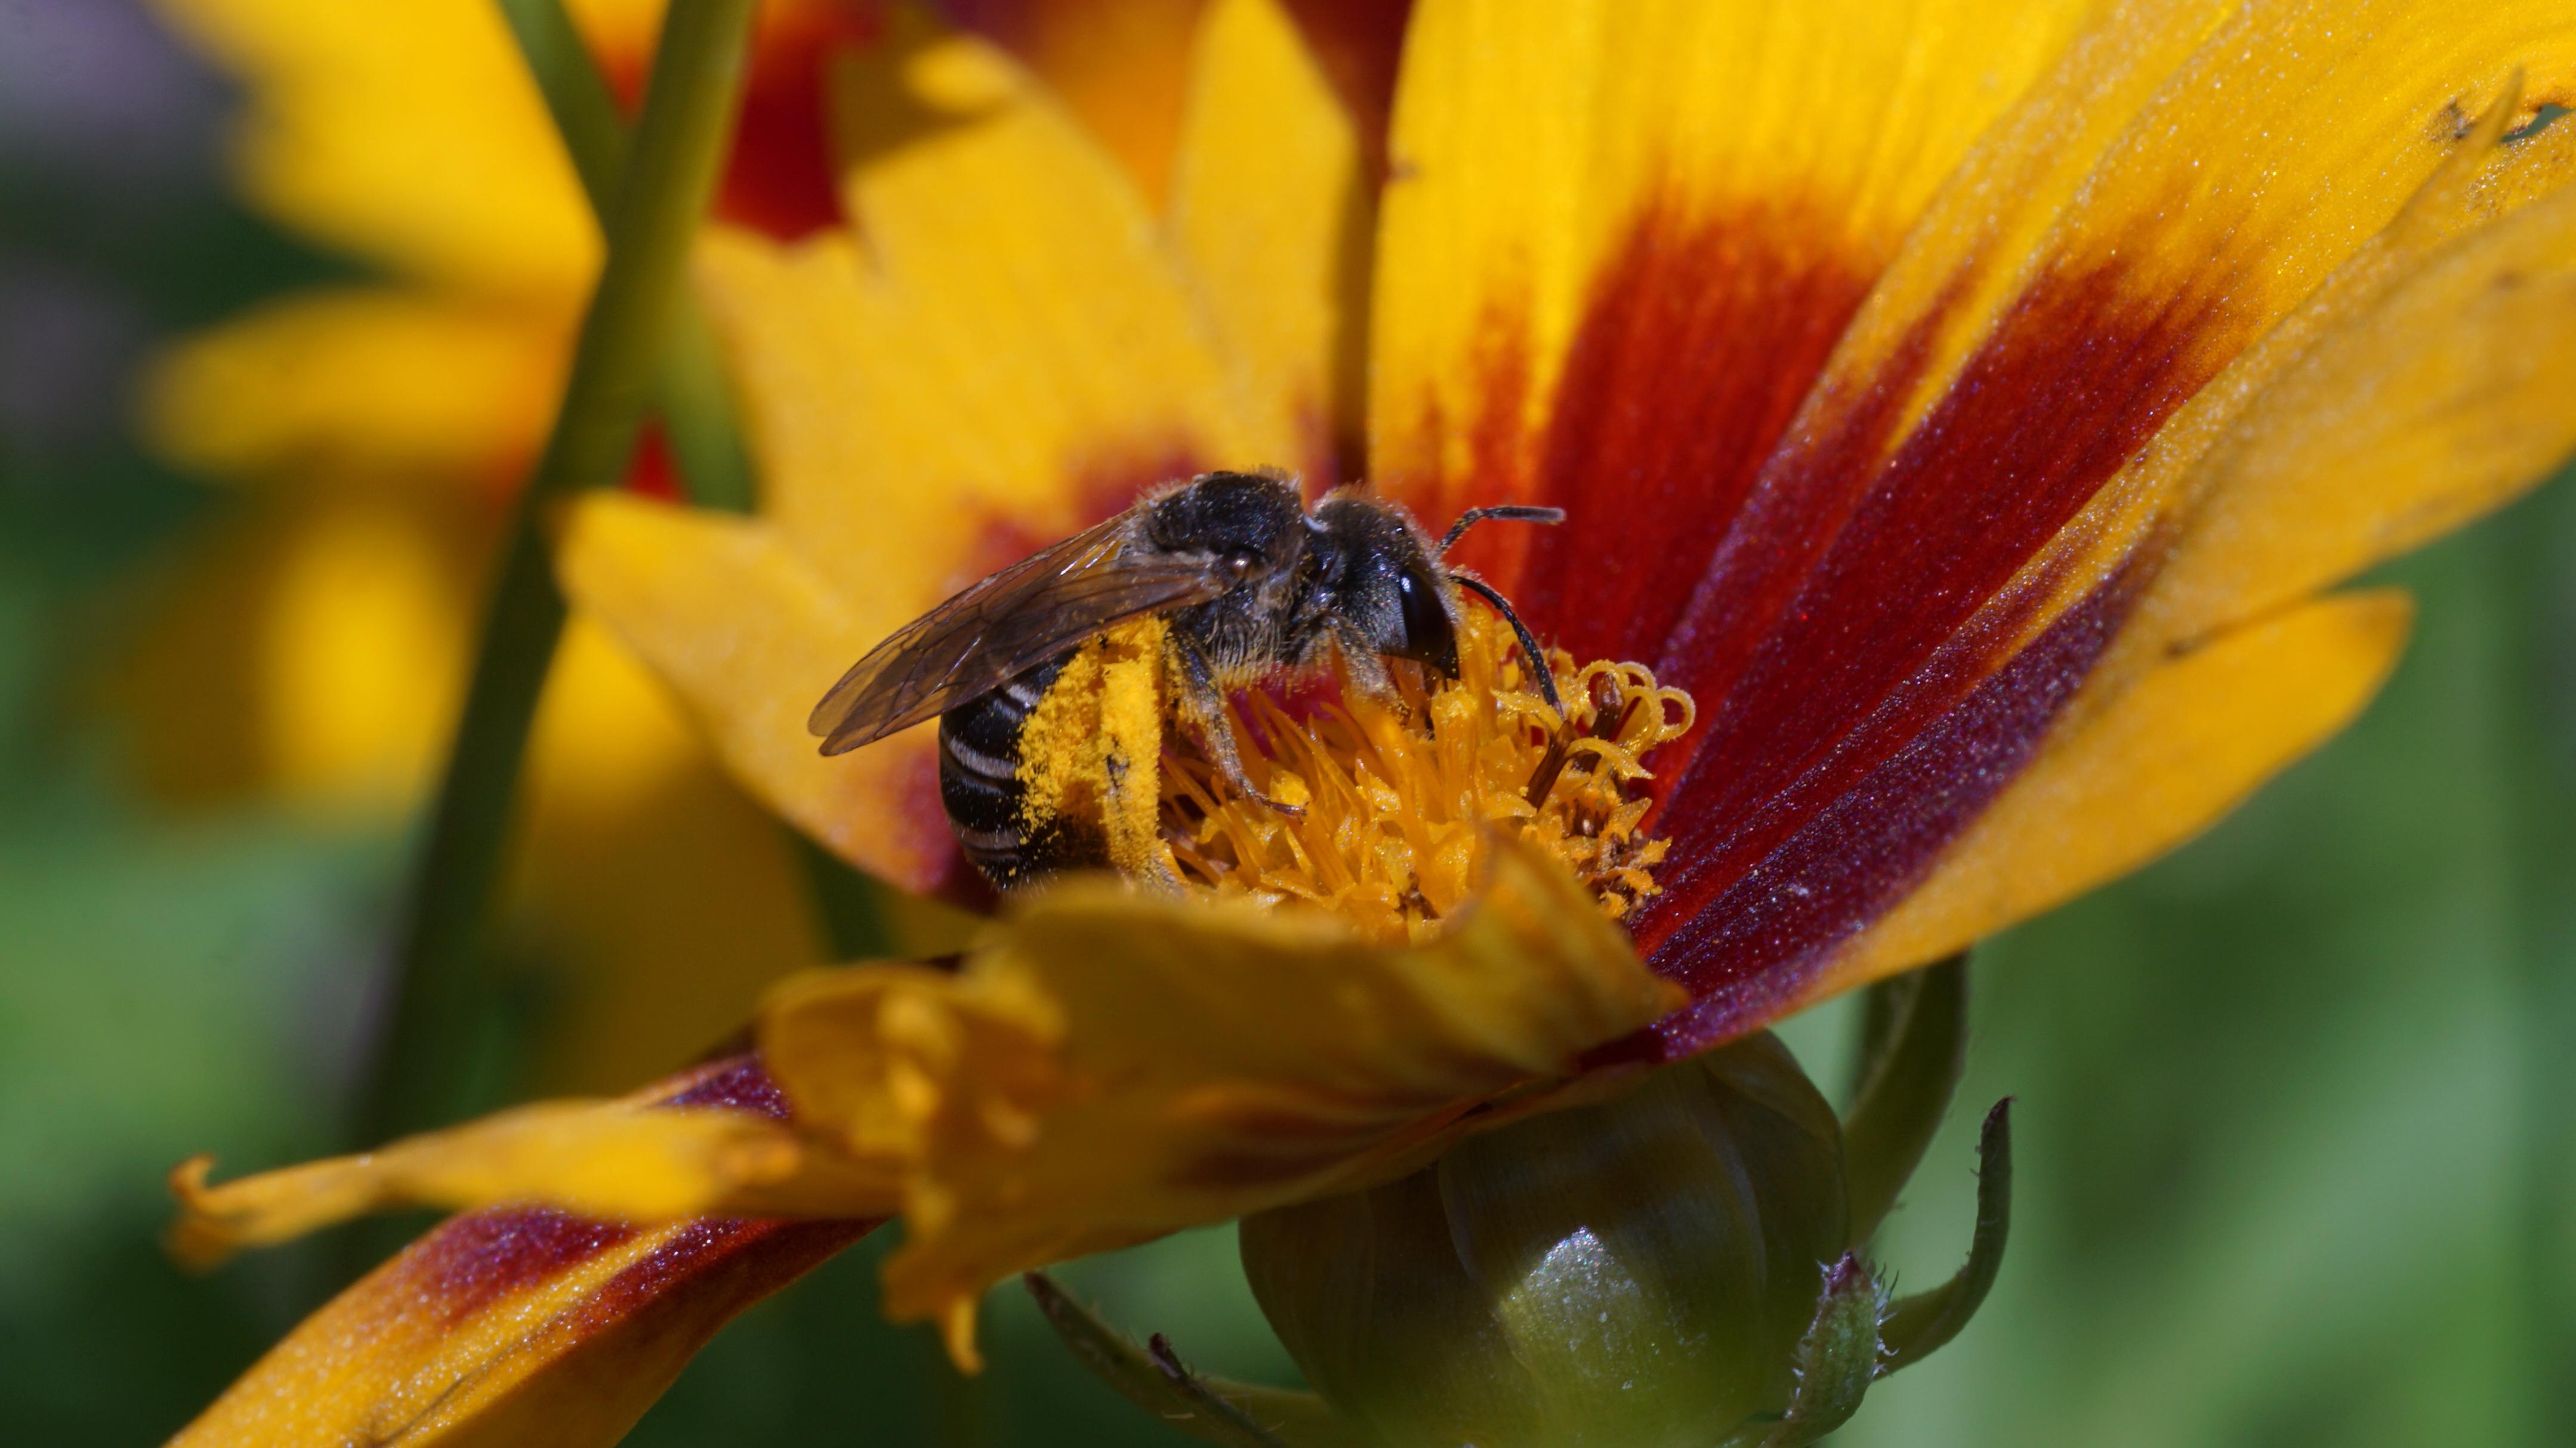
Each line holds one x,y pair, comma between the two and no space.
190,1240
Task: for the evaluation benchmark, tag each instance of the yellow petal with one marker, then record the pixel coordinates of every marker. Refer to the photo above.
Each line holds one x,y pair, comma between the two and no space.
1957,531
1012,354
1119,67
2428,385
509,1328
1268,209
310,648
2128,777
1109,1067
2444,398
407,131
2183,206
653,1156
749,634
597,1158
363,382
1620,238
1009,355
661,900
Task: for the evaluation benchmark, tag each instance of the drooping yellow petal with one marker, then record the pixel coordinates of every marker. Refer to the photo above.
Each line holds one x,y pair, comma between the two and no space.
363,383
2124,781
523,1325
659,1154
749,633
407,131
1109,1067
597,1158
1268,209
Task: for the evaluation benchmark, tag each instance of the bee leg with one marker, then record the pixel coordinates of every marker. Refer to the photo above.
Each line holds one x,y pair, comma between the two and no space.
1366,671
1204,703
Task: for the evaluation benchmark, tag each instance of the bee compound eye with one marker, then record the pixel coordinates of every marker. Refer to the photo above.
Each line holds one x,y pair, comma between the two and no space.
1428,634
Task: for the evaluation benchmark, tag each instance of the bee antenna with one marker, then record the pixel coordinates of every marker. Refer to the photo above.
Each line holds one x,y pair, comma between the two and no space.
1529,643
1505,513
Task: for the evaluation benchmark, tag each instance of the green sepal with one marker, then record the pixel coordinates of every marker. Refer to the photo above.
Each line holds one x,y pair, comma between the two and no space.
1914,1048
1211,1410
1837,1359
1921,1323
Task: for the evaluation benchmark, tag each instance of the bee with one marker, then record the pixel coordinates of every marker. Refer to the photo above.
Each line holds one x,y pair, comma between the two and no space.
1251,586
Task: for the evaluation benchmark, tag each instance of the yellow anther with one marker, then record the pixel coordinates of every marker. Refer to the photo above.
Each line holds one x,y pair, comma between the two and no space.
1398,798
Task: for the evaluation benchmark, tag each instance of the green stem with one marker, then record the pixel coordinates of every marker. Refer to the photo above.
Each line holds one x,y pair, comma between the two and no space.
576,94
690,393
679,145
692,396
696,404
1914,1049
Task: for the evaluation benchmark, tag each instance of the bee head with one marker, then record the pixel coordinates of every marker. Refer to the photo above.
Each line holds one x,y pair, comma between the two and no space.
1374,572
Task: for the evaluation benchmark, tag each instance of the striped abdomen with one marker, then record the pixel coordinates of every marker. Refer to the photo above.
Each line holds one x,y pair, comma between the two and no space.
979,782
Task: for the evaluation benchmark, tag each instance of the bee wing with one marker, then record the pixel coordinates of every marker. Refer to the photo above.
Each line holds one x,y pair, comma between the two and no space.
1002,627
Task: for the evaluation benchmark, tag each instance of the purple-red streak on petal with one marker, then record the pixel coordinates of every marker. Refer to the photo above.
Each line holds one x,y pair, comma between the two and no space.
485,1330
1840,599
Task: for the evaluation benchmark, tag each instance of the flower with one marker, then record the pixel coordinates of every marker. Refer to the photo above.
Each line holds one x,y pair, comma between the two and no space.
1965,409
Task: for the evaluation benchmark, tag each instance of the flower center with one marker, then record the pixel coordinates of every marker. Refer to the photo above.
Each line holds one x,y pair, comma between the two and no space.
1397,797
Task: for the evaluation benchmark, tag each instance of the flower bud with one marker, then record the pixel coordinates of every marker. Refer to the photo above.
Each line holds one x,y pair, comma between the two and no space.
1629,1274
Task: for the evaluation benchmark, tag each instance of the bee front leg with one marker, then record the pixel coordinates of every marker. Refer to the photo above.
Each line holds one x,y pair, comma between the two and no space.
1204,703
1366,671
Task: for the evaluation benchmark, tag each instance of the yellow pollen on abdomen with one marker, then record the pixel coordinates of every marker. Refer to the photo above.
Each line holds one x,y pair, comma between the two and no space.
1090,751
1401,798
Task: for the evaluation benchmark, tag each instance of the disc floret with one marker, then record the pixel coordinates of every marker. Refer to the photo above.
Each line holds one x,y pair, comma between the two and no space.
1398,796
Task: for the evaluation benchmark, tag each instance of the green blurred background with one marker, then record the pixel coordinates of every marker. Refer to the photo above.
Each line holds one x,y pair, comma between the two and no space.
2295,1105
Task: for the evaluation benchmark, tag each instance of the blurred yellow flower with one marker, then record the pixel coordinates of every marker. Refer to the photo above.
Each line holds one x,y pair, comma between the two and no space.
1967,408
311,646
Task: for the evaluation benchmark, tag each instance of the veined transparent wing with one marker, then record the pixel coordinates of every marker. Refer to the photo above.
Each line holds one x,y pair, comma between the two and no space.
1007,624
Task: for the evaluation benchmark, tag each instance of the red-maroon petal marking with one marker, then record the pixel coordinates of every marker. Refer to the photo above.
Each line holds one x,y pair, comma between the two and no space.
1834,629
782,178
1693,354
1749,952
1839,598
